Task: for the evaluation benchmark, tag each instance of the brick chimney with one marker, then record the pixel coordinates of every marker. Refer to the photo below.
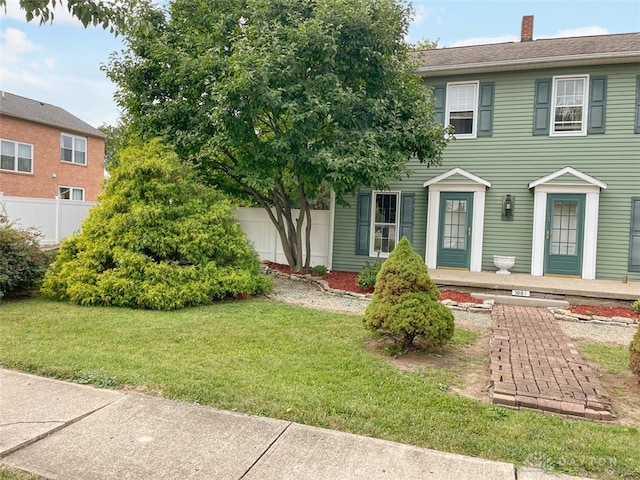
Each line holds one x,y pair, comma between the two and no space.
526,32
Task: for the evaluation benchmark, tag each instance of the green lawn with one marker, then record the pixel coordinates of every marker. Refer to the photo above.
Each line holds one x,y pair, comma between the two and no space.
307,366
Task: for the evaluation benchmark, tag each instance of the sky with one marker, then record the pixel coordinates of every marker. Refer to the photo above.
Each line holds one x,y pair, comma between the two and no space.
60,62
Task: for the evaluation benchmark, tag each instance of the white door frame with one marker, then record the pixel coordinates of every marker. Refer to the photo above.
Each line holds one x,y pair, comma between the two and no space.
475,185
591,189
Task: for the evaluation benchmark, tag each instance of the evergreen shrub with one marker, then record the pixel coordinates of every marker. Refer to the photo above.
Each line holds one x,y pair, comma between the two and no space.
158,239
405,302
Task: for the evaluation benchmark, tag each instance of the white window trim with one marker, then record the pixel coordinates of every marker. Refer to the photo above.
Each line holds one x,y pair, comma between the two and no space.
372,234
585,107
463,136
16,143
71,189
73,150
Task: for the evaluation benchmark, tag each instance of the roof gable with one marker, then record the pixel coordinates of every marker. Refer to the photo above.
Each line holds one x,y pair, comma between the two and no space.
467,176
34,111
568,171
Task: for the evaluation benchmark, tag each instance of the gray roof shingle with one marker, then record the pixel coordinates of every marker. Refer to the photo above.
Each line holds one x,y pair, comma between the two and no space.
40,112
601,49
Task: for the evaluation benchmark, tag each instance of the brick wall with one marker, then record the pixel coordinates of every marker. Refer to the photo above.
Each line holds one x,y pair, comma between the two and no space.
48,171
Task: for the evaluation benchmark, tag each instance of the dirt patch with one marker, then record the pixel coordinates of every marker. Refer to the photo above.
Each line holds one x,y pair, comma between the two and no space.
624,391
469,363
470,366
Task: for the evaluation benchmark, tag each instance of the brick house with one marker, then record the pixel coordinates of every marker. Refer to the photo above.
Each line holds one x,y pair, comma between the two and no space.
47,152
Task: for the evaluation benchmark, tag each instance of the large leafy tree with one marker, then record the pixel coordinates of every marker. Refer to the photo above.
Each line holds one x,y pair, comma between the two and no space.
105,13
273,98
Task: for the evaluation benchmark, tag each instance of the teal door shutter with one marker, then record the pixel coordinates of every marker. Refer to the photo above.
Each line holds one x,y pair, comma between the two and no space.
364,218
637,129
407,202
597,104
634,241
542,107
485,109
439,95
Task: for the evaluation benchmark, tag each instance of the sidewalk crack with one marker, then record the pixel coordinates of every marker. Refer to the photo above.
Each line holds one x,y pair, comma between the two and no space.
265,451
37,438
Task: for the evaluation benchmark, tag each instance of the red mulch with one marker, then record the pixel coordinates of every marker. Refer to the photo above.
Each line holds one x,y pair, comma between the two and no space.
605,311
347,281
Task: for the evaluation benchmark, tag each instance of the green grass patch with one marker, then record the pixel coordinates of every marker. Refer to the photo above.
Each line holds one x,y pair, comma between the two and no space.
307,366
613,358
8,473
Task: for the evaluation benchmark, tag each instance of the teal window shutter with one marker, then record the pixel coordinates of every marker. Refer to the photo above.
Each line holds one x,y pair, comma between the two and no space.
407,202
634,241
485,109
364,219
439,95
637,129
597,104
542,107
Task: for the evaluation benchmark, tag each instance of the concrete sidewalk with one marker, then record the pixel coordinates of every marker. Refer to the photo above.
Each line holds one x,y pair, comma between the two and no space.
62,430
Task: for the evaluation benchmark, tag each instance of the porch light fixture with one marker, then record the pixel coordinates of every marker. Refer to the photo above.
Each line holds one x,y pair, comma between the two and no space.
507,210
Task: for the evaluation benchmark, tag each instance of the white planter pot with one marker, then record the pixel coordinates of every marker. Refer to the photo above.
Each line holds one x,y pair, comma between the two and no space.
503,263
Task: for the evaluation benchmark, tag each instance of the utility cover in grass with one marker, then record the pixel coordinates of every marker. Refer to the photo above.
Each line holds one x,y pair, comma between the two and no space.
405,302
158,239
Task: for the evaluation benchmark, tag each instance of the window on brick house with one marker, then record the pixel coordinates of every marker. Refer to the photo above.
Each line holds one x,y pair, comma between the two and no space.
16,156
71,193
73,149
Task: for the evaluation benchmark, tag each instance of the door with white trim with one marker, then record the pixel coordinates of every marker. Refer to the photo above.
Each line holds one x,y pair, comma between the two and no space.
564,237
454,239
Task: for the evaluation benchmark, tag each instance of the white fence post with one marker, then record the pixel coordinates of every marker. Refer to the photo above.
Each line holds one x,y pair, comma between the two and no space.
58,219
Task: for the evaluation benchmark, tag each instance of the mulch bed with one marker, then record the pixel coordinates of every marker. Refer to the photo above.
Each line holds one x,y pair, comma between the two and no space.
347,281
605,311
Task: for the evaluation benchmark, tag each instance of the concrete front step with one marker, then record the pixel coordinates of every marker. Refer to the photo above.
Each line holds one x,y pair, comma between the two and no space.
524,301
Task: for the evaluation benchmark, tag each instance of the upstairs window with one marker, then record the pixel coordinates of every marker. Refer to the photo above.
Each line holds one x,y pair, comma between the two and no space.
16,156
462,108
71,193
73,149
468,107
569,109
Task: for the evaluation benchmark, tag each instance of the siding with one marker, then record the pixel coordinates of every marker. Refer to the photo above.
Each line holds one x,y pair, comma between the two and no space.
513,157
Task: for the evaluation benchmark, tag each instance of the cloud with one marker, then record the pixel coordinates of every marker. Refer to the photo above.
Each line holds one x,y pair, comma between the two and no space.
14,44
507,37
20,80
485,40
420,14
577,32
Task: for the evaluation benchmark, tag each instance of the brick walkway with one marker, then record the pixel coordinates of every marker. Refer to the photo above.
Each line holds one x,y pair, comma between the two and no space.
535,365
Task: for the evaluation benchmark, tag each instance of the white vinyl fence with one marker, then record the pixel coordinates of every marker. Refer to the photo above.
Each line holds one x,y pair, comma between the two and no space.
57,219
266,239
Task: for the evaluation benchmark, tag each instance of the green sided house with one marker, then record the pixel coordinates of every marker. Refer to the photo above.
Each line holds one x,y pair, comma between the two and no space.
545,165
